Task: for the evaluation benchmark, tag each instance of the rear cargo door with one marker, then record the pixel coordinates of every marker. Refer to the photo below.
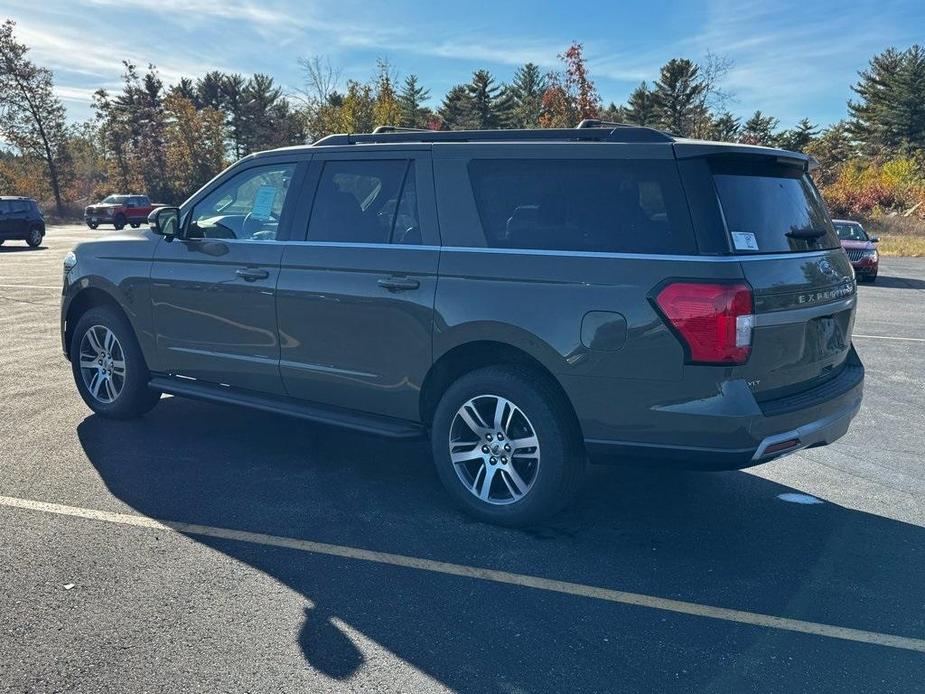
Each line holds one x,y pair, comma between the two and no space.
803,286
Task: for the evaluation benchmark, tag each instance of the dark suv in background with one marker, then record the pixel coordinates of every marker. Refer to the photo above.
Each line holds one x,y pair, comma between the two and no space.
21,220
528,300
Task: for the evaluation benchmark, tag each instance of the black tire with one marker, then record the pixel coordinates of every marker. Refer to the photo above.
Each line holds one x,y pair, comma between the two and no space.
34,239
119,223
1,241
92,225
135,225
562,463
135,398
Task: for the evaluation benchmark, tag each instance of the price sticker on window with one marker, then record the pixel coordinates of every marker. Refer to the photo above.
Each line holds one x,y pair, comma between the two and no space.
744,241
263,202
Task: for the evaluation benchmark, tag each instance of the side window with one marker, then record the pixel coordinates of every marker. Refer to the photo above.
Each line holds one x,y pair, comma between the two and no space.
247,206
595,205
366,202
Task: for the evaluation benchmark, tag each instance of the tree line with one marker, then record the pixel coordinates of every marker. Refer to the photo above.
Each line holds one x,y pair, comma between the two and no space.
168,140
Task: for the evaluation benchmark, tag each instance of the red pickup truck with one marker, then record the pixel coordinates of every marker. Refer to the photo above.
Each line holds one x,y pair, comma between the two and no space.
119,210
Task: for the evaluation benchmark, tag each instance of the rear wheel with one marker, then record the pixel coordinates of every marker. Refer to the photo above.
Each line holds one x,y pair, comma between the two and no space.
34,239
135,226
92,225
109,368
506,446
119,223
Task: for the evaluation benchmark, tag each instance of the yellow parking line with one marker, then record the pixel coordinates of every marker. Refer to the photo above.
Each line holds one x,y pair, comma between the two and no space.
523,580
890,337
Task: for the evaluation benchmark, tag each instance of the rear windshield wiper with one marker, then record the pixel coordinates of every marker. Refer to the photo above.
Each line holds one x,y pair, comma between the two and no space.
807,233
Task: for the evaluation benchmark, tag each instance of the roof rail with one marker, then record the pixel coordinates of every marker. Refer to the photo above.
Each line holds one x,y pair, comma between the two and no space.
604,133
398,129
595,123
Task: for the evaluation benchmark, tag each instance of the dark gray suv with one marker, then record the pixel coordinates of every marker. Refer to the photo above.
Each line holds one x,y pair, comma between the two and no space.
528,300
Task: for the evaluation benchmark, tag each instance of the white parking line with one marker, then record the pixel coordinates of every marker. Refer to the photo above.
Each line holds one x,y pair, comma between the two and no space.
888,337
482,574
30,286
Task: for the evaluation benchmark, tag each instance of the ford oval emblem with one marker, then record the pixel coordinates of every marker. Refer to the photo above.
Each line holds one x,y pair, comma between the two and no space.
825,267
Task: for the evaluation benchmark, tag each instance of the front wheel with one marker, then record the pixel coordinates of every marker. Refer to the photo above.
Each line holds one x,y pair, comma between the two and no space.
109,368
506,446
92,225
135,226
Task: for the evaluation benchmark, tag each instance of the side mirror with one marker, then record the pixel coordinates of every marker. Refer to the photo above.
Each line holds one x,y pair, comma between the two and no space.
165,221
874,239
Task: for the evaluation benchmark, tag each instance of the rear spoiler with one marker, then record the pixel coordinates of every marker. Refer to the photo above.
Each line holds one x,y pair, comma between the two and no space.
689,149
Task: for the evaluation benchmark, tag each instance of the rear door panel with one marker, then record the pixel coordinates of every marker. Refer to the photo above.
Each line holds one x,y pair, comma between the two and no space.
346,340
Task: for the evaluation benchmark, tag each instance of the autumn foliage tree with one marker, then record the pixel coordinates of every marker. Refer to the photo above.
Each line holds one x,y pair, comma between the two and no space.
571,95
32,117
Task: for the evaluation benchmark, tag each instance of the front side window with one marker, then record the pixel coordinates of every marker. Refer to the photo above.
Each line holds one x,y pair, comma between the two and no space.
595,205
247,207
366,202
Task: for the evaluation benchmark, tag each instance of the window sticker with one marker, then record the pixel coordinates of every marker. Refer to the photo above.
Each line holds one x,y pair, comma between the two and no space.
744,241
263,202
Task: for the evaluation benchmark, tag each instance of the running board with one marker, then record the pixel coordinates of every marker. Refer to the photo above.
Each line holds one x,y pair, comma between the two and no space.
321,414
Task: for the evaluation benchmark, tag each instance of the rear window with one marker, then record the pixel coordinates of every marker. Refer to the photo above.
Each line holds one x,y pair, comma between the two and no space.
596,205
771,208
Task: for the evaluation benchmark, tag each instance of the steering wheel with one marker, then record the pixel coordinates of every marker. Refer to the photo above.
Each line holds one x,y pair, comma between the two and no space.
253,224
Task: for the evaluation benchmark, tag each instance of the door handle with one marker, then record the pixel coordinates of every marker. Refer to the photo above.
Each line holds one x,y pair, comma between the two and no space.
396,284
251,274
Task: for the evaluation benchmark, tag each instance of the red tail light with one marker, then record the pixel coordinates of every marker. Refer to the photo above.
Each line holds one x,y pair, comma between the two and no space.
714,321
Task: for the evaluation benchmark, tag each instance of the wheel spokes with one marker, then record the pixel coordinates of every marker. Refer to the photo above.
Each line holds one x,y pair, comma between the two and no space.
482,452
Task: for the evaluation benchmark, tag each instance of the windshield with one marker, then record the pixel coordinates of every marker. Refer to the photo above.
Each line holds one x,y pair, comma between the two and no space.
115,199
771,208
849,231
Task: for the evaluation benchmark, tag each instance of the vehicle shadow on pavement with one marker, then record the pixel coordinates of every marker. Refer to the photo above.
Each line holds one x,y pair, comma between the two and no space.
21,249
722,539
892,282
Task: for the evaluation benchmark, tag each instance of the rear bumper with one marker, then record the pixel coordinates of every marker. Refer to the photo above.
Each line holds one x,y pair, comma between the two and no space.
751,436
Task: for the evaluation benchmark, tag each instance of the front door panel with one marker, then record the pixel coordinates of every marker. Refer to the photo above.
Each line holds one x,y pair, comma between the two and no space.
213,323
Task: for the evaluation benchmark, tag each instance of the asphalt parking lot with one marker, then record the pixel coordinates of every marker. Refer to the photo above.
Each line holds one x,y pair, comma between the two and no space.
206,548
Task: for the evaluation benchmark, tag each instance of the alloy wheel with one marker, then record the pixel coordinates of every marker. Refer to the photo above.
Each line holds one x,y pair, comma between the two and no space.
102,363
494,449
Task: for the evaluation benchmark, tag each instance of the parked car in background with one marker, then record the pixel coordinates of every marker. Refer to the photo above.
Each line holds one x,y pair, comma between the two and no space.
119,210
527,299
860,247
21,219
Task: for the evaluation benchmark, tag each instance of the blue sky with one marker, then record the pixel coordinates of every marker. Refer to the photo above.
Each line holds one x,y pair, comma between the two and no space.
791,59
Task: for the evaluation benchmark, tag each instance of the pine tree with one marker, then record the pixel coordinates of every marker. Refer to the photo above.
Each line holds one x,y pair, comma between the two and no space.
640,108
890,112
832,148
411,109
677,96
456,109
491,105
725,127
759,130
527,90
796,139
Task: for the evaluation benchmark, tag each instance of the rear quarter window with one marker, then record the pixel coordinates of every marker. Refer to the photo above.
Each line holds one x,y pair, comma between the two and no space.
592,205
767,207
